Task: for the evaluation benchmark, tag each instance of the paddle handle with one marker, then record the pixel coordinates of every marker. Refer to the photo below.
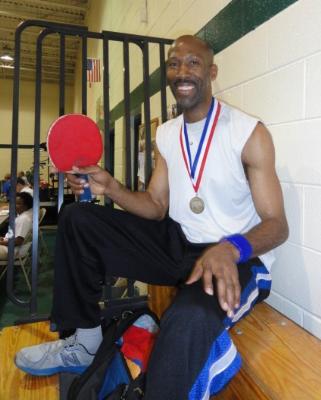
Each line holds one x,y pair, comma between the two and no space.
86,196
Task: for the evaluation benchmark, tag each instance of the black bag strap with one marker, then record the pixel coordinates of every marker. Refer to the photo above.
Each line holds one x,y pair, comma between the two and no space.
133,391
128,318
90,381
95,372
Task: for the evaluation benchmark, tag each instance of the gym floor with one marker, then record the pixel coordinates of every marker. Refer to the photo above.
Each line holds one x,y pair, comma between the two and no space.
9,312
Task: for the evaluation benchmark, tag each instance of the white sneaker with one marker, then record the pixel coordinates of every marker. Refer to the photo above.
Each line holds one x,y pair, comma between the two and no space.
50,358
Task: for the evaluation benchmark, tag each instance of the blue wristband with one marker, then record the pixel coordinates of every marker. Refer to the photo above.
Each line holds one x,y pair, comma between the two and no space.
242,244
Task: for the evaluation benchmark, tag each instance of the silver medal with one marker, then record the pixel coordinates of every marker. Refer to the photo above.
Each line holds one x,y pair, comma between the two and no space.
197,205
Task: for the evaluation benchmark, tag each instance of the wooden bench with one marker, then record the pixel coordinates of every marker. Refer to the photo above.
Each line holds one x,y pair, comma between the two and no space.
281,361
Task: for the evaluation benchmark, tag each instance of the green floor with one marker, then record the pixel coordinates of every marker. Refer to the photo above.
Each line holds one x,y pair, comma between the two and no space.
11,313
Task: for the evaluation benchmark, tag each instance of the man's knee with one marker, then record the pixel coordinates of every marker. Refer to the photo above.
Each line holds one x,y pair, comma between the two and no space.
192,306
71,213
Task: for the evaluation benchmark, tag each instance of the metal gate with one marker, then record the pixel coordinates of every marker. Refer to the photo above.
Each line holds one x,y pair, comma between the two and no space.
106,37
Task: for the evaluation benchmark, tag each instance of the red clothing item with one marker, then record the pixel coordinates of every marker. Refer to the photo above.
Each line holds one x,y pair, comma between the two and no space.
137,345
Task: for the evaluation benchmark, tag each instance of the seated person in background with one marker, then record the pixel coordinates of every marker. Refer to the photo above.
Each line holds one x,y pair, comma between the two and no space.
22,186
23,223
22,175
7,186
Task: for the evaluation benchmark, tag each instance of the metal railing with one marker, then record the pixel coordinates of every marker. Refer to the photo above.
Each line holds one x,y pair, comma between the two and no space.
106,37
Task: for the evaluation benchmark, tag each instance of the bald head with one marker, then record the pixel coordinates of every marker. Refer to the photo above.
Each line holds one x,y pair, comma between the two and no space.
190,72
195,43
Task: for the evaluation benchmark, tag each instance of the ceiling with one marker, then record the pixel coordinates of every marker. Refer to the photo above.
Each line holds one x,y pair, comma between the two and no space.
12,12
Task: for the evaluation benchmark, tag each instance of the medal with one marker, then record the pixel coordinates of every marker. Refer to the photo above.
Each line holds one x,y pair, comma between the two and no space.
196,204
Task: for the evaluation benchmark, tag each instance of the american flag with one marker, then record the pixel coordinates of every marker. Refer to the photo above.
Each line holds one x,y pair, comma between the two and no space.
93,70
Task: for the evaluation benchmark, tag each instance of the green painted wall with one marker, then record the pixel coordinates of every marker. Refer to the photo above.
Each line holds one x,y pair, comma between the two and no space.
237,19
233,22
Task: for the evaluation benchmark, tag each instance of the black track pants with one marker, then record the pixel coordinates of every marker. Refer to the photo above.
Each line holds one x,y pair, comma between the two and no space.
194,356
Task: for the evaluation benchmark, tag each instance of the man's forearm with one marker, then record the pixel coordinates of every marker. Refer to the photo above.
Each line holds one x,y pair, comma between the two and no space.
267,235
138,203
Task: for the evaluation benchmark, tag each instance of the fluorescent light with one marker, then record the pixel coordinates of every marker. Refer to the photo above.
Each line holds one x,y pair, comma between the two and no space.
6,57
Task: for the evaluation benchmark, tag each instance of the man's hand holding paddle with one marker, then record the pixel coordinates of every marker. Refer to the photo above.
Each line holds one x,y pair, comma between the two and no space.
74,144
98,179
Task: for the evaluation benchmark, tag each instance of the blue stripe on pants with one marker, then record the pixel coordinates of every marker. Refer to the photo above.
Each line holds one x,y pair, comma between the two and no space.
261,279
222,364
224,361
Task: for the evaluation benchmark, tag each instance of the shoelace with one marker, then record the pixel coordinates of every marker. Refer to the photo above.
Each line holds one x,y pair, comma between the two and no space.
58,346
71,341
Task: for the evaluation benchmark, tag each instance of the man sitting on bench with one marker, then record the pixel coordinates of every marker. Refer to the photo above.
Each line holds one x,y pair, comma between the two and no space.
215,176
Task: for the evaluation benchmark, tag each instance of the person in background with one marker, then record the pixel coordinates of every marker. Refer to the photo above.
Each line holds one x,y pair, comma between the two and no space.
22,175
23,223
207,223
6,188
22,186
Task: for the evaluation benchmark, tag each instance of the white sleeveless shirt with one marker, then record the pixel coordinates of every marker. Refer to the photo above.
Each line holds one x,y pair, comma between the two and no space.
229,207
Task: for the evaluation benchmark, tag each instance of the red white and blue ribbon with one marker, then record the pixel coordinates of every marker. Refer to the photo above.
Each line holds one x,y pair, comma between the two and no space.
195,168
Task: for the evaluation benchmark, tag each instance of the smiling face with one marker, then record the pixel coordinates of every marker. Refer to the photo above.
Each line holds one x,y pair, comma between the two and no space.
190,71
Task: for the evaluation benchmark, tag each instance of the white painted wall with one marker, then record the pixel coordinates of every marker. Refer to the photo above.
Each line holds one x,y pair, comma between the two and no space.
166,18
274,72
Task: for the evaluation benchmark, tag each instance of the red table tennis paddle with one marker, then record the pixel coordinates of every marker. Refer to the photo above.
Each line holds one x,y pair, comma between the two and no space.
74,140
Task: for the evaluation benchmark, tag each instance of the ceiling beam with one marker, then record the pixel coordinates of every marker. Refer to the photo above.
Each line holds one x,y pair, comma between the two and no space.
22,16
27,73
26,76
25,46
28,57
12,12
50,67
28,36
53,4
31,70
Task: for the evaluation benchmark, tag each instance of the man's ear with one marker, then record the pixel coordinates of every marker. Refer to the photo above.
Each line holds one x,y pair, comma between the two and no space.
213,71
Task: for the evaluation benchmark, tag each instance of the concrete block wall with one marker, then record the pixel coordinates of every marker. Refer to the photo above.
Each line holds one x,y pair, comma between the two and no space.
274,72
168,18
